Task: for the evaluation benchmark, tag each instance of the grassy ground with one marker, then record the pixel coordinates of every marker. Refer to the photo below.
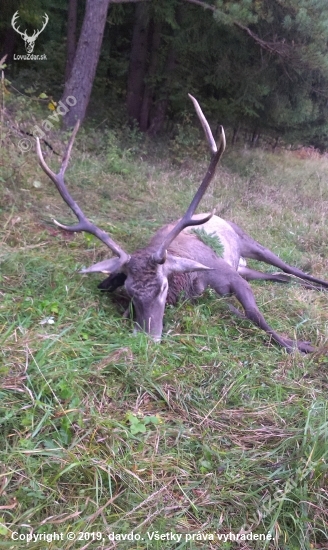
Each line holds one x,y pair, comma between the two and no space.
214,430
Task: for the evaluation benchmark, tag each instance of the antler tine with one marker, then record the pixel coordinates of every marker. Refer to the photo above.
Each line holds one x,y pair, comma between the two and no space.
205,125
186,220
84,224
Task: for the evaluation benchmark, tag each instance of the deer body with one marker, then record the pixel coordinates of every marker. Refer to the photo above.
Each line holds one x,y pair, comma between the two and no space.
226,275
177,261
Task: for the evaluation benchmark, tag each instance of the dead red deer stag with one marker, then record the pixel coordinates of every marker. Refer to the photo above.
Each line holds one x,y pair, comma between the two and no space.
177,260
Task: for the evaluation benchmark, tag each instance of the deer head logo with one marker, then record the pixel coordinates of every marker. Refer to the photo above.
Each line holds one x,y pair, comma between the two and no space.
29,40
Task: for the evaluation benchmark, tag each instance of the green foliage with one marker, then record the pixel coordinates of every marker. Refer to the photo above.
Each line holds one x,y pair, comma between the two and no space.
139,425
212,240
187,140
227,13
269,76
119,160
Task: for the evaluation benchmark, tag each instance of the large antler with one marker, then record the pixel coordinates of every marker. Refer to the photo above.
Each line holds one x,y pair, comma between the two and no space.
187,220
84,224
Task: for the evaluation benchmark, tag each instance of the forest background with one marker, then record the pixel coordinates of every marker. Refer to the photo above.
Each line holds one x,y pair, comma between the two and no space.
259,67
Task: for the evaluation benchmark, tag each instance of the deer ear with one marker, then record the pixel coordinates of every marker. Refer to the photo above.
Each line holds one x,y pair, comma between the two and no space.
113,265
182,265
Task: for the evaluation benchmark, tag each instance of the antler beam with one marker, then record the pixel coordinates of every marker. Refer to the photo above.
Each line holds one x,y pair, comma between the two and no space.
84,224
187,220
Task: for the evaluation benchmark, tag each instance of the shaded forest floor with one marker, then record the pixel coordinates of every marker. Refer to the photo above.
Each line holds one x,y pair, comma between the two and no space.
214,430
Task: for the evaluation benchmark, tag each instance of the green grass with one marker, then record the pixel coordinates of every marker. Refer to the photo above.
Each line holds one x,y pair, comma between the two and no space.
208,432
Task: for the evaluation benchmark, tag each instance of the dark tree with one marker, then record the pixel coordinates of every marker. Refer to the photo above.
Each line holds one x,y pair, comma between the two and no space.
152,63
79,84
138,62
155,39
161,105
71,37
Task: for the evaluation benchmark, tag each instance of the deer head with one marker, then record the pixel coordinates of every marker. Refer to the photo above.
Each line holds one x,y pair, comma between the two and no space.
29,40
147,270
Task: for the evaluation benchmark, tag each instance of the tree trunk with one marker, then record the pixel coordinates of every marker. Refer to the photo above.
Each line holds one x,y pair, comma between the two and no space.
147,99
235,135
78,87
138,62
71,37
160,108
